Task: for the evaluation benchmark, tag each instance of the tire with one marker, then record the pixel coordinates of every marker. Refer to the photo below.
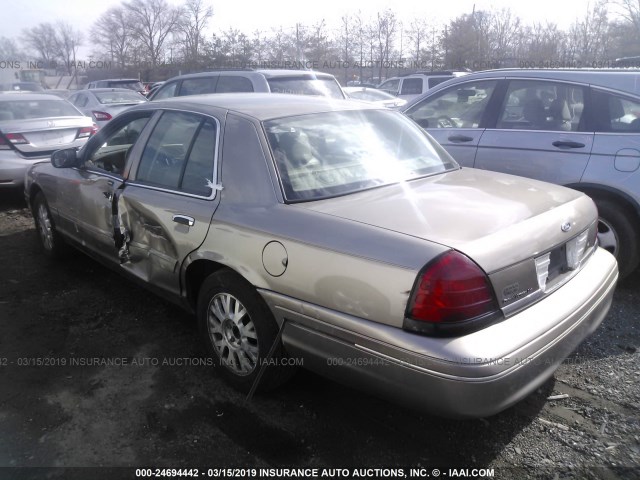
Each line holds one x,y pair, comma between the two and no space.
51,242
240,345
618,234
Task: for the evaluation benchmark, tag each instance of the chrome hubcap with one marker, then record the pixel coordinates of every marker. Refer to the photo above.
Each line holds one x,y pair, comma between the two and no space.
232,334
607,237
44,226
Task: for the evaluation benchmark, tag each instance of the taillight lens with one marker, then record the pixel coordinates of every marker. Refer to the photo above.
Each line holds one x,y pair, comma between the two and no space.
85,132
451,290
101,116
16,138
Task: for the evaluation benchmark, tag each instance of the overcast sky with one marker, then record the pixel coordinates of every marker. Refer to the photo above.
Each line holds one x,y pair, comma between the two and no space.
248,16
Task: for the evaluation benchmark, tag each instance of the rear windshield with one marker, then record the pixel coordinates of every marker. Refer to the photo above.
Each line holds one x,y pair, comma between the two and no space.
335,153
324,87
137,86
108,98
27,109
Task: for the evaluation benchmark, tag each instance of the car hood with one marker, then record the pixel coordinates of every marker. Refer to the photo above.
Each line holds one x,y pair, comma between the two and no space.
496,219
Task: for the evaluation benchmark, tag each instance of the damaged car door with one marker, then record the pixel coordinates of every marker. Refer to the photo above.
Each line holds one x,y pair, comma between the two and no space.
99,178
164,210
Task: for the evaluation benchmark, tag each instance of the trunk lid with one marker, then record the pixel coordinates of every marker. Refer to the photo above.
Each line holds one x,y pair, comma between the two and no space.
496,219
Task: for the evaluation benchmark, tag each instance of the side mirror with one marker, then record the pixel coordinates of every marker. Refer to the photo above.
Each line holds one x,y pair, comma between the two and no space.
66,158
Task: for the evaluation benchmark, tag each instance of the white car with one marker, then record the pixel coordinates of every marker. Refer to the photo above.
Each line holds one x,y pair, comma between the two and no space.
32,127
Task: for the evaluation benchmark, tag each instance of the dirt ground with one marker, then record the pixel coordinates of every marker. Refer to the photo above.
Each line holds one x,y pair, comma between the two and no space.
163,406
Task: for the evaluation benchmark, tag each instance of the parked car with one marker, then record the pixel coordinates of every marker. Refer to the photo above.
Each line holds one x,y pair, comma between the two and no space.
105,103
375,96
32,127
301,82
339,234
578,128
130,83
414,84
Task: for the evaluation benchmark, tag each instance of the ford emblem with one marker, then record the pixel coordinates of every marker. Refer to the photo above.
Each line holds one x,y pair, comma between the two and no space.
566,226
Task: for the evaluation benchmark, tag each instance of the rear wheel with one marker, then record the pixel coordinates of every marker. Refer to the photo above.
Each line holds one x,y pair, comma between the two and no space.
50,240
618,234
239,330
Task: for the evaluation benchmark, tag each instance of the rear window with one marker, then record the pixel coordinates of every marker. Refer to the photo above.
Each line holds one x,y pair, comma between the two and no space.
324,87
109,98
132,85
27,109
335,153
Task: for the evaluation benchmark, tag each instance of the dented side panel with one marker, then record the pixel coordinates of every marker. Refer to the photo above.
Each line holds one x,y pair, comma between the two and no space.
155,243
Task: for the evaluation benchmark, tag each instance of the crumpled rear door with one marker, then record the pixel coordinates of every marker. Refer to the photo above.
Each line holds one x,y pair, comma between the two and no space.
164,211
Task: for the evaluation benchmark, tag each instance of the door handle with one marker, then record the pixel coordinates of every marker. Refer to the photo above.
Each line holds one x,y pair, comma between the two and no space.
567,144
184,220
460,138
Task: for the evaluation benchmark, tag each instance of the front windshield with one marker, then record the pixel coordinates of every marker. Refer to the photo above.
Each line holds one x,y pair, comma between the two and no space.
328,154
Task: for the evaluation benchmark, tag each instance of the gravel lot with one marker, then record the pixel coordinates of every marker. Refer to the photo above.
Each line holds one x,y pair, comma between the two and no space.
168,409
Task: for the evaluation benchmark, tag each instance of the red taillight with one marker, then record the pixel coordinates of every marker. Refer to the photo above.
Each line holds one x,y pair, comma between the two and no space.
16,138
85,132
451,289
101,116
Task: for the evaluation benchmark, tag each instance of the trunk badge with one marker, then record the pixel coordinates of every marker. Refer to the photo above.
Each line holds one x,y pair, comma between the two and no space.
51,124
565,227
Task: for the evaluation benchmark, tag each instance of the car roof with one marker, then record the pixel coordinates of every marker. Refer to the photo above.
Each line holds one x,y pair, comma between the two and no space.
267,73
623,80
262,106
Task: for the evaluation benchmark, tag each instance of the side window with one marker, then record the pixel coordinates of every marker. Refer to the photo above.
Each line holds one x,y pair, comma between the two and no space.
411,86
198,86
613,113
111,156
231,84
166,91
541,105
461,106
390,86
198,175
433,81
180,154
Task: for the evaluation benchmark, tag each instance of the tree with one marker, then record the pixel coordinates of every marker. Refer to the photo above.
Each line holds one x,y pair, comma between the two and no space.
192,26
504,35
9,50
152,21
544,43
384,34
67,41
589,38
236,48
630,11
42,40
345,43
112,31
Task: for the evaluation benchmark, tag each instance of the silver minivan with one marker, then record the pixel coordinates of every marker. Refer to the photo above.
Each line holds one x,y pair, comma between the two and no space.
578,128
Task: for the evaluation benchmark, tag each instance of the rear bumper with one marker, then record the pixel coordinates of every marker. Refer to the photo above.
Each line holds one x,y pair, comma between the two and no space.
477,375
13,168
